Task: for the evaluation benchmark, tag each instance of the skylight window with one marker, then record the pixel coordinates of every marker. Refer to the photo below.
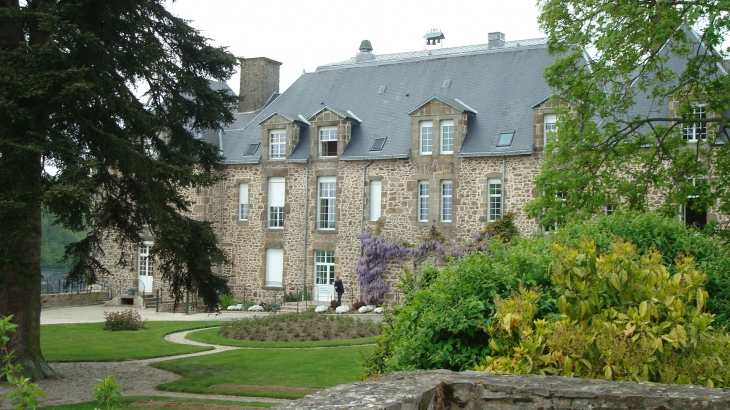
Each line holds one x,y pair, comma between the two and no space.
378,144
447,83
381,90
505,139
252,148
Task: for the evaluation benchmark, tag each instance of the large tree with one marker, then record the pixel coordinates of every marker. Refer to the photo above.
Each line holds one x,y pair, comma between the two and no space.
643,91
110,94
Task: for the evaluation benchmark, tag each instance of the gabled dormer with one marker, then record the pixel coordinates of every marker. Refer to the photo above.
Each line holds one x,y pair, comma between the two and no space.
438,127
331,132
280,134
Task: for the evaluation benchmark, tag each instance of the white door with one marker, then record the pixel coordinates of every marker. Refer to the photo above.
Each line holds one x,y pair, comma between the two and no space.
324,275
144,268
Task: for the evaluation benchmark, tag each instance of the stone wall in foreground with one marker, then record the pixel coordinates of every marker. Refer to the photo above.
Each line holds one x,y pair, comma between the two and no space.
71,299
443,389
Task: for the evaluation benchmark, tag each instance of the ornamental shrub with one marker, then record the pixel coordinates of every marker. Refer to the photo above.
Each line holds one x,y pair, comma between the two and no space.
625,317
125,320
227,300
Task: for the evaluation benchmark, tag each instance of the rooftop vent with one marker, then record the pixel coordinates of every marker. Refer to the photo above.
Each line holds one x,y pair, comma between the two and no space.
433,36
366,52
496,39
381,89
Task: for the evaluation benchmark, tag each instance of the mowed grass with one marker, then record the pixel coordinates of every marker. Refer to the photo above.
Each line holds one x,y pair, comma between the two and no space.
211,336
89,342
126,401
308,367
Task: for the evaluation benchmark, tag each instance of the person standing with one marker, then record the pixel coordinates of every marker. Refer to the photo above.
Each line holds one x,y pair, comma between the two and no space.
339,288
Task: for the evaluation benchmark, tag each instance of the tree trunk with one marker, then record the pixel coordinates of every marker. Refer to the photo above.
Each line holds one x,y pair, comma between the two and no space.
20,250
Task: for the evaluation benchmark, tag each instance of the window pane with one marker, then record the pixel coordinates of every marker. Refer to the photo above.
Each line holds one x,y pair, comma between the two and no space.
495,200
447,136
274,267
426,137
277,145
423,191
328,142
375,199
326,203
324,267
446,196
243,202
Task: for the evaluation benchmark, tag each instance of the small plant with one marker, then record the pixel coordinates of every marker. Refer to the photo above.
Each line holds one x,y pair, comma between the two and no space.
24,396
107,392
126,320
358,305
334,304
227,300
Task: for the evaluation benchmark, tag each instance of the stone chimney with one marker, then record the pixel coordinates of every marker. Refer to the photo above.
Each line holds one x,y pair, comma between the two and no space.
496,40
259,81
366,52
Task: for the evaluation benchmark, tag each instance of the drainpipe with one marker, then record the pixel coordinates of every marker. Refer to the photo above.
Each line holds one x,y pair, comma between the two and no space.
504,180
223,199
306,220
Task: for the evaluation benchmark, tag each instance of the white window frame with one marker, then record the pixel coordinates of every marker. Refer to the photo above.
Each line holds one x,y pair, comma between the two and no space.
277,144
376,200
274,267
326,203
324,267
494,199
550,127
609,209
447,200
696,131
243,205
425,139
277,201
145,260
326,136
423,199
447,135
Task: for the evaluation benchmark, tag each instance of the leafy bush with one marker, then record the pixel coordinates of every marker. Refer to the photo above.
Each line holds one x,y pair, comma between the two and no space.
296,297
299,327
125,320
107,392
227,300
24,392
671,239
625,317
334,304
358,305
439,325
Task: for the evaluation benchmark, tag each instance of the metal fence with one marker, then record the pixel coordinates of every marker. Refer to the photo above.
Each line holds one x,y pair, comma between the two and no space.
54,281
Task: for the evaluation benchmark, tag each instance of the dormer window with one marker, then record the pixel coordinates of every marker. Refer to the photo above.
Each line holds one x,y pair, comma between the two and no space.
277,144
328,142
696,131
447,137
551,127
426,140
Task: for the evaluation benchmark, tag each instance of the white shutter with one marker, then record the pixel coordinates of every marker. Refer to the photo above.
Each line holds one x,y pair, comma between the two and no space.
375,199
243,200
276,192
274,267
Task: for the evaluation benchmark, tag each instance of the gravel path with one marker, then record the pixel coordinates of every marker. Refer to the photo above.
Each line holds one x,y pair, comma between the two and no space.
136,377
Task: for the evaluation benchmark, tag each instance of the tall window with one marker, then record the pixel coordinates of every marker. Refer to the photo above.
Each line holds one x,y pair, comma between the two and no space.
447,137
446,200
495,199
551,127
695,131
426,140
609,209
423,201
277,144
274,267
276,202
145,260
324,267
376,188
243,202
326,196
328,142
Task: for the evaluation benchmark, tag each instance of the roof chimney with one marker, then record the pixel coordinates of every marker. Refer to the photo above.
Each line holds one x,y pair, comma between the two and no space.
433,36
259,81
366,52
496,40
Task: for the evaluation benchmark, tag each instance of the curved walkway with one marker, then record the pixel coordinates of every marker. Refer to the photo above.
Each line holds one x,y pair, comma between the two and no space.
136,377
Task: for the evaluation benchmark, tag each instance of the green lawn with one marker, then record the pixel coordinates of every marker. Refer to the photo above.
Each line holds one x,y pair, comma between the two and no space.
211,336
126,401
308,367
89,342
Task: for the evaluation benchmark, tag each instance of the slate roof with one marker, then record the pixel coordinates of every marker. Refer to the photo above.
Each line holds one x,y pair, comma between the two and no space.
498,85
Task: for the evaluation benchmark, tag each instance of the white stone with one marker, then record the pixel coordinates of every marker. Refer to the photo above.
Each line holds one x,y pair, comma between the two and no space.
342,309
365,309
378,310
255,308
320,309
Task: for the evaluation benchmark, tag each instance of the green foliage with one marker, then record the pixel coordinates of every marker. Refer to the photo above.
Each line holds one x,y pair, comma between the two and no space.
439,325
227,300
503,228
671,239
54,241
624,317
126,320
107,392
300,296
24,392
622,144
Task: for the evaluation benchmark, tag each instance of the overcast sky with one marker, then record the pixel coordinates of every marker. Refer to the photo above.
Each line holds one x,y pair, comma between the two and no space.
303,34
